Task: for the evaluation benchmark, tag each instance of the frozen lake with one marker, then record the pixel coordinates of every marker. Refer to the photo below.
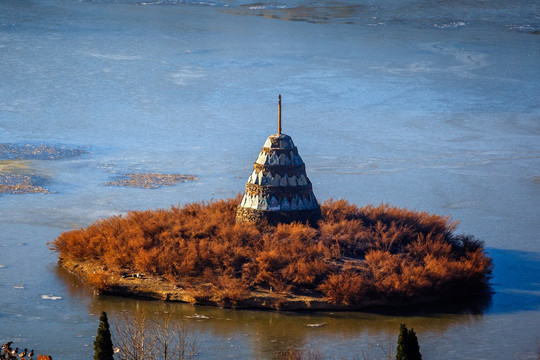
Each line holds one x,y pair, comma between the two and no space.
432,106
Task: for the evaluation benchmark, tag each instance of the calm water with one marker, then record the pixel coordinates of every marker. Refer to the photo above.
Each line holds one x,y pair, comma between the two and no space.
427,105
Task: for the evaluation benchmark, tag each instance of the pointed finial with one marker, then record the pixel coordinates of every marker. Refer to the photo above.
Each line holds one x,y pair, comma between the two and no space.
279,115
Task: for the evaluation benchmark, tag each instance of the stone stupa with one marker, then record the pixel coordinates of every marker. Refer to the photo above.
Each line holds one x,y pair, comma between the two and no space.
278,190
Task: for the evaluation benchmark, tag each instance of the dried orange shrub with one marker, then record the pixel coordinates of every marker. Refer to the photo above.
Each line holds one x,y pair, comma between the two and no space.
349,237
422,222
353,254
199,293
99,281
394,276
357,230
347,287
338,210
293,255
406,254
229,290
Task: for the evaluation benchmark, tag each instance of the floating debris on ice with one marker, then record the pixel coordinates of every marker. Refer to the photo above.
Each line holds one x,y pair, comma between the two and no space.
151,180
451,25
197,317
51,297
19,184
38,152
316,325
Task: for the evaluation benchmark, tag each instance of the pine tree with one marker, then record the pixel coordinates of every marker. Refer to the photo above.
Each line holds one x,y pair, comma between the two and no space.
413,348
103,347
401,351
407,346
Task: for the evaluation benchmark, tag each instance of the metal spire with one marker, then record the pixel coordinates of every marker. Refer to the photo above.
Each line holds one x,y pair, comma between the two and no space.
279,115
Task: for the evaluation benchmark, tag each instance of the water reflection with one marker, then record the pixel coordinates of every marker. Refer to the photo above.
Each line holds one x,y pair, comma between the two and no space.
75,288
515,280
473,305
262,334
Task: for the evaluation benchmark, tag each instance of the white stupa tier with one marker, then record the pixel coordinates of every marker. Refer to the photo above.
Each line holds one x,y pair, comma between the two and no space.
278,189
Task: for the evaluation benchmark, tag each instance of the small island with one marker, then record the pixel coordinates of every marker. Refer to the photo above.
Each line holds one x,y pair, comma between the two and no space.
276,247
355,257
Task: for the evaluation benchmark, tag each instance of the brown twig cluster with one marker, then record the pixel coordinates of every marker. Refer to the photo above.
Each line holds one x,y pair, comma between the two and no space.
138,337
354,254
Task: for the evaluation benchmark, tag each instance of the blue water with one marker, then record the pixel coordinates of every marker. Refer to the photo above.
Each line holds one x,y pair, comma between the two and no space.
427,105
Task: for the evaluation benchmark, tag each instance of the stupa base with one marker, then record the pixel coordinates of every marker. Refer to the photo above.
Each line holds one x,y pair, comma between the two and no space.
255,216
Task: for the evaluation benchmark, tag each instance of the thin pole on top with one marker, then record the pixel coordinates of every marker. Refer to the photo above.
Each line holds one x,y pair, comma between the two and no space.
279,115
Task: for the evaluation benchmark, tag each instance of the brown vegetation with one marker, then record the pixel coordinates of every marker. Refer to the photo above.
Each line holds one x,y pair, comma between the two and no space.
372,252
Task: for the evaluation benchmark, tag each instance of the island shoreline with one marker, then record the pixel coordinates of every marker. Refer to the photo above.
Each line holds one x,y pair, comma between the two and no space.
153,288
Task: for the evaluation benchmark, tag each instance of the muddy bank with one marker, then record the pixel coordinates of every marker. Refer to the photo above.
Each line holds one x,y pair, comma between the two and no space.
157,288
140,286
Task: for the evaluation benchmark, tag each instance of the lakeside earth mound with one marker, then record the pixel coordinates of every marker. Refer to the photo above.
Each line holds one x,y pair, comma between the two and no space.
355,257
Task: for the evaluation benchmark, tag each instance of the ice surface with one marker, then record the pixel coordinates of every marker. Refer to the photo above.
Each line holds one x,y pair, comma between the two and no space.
421,104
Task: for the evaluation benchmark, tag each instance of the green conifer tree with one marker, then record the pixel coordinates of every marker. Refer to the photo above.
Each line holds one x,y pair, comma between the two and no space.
407,346
412,346
401,351
103,347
